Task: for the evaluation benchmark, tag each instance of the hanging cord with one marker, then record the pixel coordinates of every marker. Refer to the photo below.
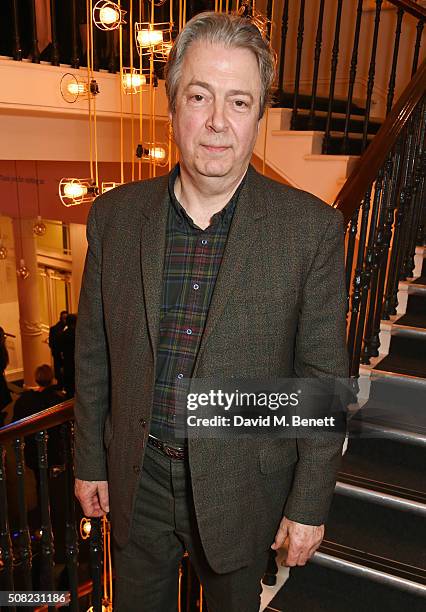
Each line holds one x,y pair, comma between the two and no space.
89,101
132,80
19,213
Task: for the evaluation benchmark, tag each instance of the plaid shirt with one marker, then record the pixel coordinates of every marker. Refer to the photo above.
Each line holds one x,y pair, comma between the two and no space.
192,260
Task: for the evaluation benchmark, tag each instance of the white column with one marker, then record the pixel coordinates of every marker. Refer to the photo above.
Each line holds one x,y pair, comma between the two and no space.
78,246
28,297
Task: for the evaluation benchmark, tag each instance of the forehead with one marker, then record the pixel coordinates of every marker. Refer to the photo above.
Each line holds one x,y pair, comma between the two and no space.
220,66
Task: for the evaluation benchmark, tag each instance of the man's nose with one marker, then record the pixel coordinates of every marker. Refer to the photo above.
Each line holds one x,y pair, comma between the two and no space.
217,120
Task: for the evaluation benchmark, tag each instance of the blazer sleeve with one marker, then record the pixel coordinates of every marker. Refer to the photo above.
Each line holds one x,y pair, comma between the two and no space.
320,351
91,365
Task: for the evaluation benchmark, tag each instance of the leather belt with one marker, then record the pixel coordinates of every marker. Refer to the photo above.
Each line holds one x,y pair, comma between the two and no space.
174,452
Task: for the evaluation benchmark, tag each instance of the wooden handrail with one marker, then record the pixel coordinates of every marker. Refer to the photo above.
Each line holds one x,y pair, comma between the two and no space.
366,170
56,415
410,7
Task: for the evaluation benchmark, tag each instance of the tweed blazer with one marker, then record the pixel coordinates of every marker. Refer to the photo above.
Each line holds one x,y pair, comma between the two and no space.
278,310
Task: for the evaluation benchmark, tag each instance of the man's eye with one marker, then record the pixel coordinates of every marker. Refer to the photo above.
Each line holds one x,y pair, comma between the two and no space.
197,97
240,103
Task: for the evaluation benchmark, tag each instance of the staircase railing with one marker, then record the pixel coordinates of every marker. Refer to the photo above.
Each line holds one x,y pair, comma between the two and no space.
19,569
384,203
342,68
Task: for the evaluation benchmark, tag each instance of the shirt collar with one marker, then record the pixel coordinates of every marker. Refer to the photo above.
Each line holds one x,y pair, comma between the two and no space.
225,214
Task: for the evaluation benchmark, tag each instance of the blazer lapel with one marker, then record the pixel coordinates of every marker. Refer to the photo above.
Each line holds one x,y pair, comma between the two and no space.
242,235
153,239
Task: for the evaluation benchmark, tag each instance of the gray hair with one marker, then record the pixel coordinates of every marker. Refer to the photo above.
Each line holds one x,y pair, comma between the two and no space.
230,31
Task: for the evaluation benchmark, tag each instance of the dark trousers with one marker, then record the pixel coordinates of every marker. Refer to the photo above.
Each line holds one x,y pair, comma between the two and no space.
164,526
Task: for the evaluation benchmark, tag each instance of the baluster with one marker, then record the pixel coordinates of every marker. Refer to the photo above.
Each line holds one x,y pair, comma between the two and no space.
371,73
402,224
334,61
352,76
421,231
35,53
355,330
17,51
385,237
25,552
318,45
96,33
112,61
284,30
71,536
391,170
380,183
47,547
6,574
392,78
96,551
420,26
75,56
269,16
419,166
54,59
353,227
300,31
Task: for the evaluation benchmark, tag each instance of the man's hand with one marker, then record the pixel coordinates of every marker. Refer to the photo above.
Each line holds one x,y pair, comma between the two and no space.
93,496
303,541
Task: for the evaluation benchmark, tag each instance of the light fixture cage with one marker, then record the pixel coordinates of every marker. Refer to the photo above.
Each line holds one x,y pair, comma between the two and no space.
155,153
133,80
108,185
73,88
258,19
162,52
151,36
108,15
74,191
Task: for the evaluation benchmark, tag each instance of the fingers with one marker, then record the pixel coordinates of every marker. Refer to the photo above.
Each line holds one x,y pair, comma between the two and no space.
304,540
103,496
88,494
281,535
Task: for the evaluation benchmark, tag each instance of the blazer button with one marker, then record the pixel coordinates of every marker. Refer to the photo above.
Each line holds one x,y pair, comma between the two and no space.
142,422
136,469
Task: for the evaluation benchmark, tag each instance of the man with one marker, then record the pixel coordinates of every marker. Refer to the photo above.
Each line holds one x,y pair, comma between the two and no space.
214,271
55,333
67,348
35,400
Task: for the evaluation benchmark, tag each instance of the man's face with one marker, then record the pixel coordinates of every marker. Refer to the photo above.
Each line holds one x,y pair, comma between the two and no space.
216,120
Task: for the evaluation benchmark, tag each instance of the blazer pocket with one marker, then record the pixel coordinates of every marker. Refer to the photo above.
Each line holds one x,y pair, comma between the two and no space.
276,457
108,432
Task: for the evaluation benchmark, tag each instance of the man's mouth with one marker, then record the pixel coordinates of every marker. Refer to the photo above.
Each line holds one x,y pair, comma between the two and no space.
214,149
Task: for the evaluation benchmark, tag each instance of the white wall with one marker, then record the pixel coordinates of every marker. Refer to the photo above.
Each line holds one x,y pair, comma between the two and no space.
78,244
9,308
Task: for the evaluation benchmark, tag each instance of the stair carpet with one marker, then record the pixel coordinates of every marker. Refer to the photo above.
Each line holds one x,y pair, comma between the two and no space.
373,556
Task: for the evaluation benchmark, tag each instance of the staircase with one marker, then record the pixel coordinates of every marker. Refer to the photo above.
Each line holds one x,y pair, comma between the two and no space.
373,557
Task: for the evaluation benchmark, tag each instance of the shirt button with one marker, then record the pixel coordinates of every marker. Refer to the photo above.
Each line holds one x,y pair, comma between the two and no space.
180,375
189,332
204,241
196,286
136,469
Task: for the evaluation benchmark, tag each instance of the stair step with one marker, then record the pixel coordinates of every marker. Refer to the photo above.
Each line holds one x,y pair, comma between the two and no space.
380,493
396,464
356,123
322,586
380,535
407,356
285,100
354,144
